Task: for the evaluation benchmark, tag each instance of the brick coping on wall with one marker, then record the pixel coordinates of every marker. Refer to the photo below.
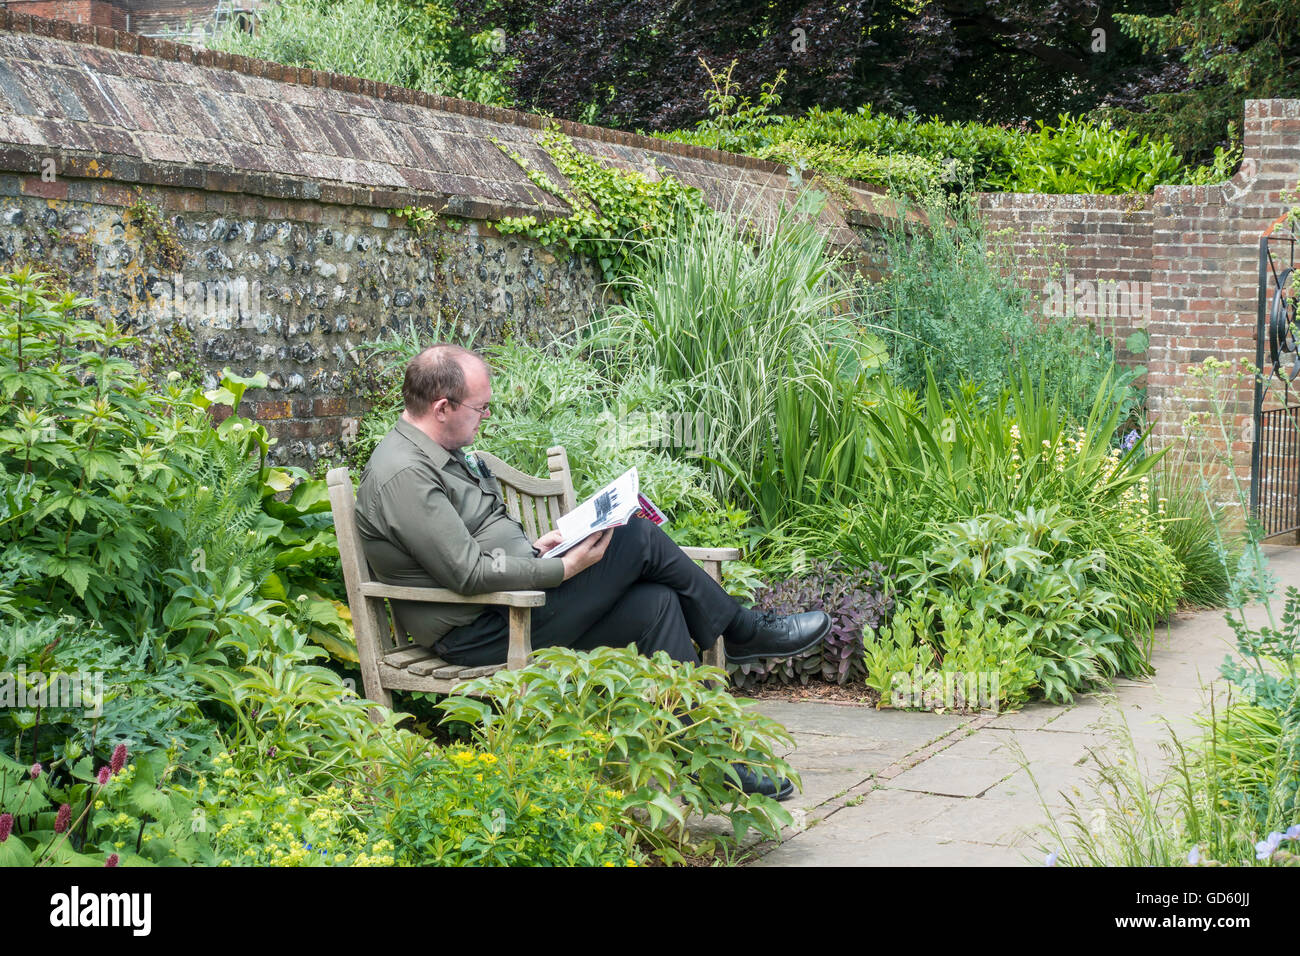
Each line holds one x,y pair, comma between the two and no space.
18,159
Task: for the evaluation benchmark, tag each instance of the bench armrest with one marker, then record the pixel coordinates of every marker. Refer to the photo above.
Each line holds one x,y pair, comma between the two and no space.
447,596
712,554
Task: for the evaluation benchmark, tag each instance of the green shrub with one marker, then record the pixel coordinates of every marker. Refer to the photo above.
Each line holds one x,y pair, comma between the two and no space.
91,456
665,734
1024,574
70,698
523,806
818,451
417,46
930,156
947,308
938,653
722,318
614,209
903,647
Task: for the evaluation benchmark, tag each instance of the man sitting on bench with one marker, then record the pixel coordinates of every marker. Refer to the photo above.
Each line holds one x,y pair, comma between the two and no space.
428,517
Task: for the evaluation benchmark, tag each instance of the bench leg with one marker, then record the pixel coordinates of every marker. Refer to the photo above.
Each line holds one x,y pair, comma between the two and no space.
521,640
715,656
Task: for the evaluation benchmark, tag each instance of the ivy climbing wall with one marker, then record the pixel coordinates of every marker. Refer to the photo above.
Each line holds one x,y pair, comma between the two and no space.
234,212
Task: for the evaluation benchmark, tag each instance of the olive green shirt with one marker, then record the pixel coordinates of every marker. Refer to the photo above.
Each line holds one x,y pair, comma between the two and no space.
427,520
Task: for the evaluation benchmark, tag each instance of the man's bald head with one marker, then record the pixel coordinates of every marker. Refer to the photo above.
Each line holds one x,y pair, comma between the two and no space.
438,372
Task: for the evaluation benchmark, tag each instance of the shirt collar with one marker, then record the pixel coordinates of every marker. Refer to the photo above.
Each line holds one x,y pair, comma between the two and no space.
423,442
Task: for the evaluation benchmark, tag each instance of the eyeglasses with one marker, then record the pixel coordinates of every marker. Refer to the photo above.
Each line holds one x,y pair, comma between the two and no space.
483,411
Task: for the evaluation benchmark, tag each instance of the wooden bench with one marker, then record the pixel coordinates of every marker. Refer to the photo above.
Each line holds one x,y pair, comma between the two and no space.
389,660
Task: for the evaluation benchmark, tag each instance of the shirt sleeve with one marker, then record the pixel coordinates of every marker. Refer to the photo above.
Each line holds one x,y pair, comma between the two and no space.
427,526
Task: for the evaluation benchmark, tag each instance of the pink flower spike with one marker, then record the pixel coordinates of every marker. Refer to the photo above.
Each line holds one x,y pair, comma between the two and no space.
111,861
119,759
6,826
104,774
63,818
36,770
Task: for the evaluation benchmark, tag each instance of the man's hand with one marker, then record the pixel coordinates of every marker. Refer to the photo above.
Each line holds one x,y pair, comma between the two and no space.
547,541
586,553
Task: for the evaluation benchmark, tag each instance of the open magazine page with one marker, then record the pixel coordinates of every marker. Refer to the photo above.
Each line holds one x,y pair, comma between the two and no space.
611,506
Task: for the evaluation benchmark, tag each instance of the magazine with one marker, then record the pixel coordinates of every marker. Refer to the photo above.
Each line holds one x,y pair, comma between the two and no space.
616,504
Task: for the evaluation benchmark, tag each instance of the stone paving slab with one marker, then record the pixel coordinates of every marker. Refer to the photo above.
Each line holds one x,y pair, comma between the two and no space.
892,788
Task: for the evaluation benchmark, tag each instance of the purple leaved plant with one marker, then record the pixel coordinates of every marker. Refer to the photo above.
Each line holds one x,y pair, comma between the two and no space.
853,597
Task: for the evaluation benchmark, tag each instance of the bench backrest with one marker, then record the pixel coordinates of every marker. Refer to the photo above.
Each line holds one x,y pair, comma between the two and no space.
536,503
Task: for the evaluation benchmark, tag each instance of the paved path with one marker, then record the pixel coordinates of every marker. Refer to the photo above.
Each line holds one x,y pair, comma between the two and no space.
907,788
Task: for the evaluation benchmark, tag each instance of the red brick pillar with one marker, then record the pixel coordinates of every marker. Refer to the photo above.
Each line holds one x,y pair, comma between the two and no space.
1204,274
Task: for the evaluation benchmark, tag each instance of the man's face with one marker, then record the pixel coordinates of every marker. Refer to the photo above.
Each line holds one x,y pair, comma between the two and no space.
464,419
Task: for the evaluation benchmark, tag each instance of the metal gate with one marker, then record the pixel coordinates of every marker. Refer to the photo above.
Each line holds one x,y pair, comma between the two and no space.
1275,454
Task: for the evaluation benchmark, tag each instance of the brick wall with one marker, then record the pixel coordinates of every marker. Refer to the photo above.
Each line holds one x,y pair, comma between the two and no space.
100,13
1197,247
1087,256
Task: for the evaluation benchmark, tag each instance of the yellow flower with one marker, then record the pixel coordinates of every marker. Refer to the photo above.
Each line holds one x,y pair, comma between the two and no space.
598,827
488,759
609,863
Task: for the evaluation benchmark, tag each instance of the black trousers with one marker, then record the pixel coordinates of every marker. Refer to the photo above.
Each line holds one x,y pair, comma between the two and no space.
644,591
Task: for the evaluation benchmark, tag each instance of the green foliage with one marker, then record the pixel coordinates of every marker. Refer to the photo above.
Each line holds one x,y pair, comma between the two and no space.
1016,572
216,522
947,306
818,454
70,697
657,730
523,806
614,209
931,640
1233,50
722,320
929,157
420,46
133,817
939,466
1077,156
902,647
90,457
162,249
289,823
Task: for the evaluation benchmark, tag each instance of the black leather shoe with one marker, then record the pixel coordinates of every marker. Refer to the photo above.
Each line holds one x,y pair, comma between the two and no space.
782,636
753,782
